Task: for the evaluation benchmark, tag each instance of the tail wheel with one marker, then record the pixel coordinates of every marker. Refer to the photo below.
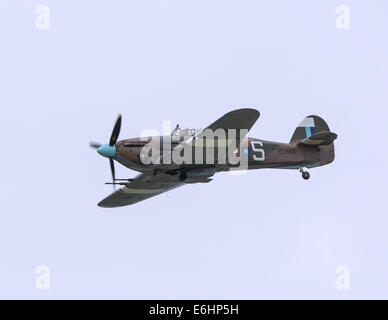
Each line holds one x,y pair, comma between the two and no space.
305,175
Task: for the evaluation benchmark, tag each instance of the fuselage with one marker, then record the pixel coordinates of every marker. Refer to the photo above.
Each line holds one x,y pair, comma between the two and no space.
254,154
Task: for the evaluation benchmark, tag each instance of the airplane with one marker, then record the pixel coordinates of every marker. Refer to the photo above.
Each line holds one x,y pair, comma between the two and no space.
311,145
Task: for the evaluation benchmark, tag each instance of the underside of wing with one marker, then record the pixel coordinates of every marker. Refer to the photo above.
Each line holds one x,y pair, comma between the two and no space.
144,186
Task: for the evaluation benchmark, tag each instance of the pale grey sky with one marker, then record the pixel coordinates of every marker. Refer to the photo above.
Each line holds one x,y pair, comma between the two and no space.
267,234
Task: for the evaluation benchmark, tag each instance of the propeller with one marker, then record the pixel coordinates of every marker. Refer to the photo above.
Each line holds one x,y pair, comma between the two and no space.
116,131
95,145
112,170
109,150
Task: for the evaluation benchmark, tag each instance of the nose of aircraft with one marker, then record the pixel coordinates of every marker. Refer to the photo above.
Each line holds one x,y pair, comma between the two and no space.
107,151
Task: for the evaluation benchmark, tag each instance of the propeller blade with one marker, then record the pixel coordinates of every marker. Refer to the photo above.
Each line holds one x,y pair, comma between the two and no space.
112,169
116,131
95,145
110,152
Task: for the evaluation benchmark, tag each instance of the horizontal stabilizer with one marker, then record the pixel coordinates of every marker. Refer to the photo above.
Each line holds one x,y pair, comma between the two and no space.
319,139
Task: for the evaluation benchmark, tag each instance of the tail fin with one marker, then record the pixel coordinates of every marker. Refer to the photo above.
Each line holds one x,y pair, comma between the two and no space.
313,131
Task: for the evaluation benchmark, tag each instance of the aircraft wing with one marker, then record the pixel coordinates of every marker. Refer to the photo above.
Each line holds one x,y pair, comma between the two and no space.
237,119
144,186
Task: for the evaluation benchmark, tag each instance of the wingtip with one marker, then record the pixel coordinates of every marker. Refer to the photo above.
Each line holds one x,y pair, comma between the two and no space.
102,205
252,110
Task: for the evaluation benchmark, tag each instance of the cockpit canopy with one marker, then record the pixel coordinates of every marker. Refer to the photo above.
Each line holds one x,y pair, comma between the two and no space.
184,132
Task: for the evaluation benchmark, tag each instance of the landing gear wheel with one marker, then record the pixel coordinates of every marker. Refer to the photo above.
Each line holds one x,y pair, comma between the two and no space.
305,175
